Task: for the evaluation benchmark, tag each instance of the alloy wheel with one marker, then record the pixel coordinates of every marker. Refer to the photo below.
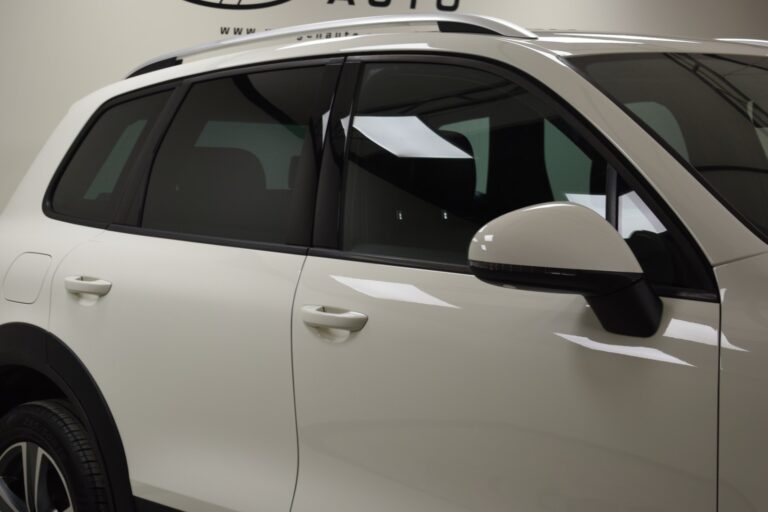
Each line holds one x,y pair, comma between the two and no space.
30,481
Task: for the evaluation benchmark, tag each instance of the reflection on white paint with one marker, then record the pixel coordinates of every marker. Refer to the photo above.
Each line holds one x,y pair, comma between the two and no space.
634,215
596,203
303,43
407,137
632,38
387,290
394,46
691,331
640,352
572,39
730,346
548,54
697,333
758,42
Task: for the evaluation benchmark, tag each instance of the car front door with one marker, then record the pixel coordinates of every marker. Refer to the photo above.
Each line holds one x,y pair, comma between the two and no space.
421,388
183,316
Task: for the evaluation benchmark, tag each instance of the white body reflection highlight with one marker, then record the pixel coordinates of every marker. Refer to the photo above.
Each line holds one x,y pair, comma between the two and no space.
697,333
634,215
630,37
386,290
407,137
639,352
583,39
596,203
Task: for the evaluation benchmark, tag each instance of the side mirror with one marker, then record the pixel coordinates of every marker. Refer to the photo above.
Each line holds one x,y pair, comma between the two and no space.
568,248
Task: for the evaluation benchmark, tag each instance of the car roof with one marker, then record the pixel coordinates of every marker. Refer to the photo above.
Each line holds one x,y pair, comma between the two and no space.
472,35
571,43
560,43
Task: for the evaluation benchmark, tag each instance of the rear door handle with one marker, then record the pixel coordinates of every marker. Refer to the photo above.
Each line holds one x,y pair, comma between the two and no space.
331,318
81,284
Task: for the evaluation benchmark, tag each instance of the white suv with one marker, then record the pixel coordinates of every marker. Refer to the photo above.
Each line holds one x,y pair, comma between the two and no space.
415,263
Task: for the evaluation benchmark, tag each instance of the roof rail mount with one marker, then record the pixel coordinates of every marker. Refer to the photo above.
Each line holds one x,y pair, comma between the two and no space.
446,22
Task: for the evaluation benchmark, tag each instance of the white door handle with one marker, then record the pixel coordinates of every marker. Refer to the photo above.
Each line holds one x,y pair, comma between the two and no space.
330,318
80,284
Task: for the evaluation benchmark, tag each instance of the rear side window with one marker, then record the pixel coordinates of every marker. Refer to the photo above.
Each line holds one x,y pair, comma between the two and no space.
90,185
436,151
239,159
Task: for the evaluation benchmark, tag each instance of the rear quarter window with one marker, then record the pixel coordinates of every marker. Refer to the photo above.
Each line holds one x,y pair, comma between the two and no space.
90,185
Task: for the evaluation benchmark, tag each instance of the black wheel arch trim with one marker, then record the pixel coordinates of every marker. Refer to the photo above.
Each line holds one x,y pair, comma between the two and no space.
143,505
32,347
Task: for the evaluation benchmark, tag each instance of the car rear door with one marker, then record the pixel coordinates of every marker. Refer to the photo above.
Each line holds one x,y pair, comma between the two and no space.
182,309
421,388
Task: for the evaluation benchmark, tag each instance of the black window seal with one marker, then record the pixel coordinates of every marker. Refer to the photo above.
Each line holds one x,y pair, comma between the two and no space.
210,240
329,188
47,205
455,268
660,140
706,291
392,261
130,205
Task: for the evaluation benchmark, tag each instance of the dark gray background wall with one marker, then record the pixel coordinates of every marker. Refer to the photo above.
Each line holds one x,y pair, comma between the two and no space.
56,51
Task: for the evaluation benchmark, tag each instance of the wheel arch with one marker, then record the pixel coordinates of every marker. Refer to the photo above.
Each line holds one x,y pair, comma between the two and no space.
35,353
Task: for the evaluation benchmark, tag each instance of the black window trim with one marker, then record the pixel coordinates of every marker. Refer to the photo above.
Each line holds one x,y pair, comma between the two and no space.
327,226
84,132
128,213
210,240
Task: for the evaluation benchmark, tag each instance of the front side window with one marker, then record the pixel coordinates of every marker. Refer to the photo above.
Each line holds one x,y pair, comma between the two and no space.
90,185
710,110
235,156
436,151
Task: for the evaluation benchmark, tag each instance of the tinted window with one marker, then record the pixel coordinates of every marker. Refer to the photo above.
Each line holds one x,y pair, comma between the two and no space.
90,186
711,110
437,151
238,156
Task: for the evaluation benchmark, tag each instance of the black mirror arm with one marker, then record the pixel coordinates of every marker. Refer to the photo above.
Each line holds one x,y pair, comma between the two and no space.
632,311
623,302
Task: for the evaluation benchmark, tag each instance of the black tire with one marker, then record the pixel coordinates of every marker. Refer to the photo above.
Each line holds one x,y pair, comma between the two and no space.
56,436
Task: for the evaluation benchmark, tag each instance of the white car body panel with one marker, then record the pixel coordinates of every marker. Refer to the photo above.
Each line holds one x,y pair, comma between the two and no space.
743,385
462,396
457,395
191,349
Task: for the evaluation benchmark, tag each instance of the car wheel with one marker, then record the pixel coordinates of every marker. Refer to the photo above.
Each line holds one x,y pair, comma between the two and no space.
48,462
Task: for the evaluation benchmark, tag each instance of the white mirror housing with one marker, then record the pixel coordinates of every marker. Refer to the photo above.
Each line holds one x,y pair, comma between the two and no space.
566,247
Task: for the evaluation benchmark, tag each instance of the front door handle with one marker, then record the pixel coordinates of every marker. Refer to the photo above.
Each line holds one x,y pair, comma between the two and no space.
324,317
81,284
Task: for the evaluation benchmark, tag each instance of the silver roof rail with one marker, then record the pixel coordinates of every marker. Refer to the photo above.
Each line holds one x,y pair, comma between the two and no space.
467,23
751,42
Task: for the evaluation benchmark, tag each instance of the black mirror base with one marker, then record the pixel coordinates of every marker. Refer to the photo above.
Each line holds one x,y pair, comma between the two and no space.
632,311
